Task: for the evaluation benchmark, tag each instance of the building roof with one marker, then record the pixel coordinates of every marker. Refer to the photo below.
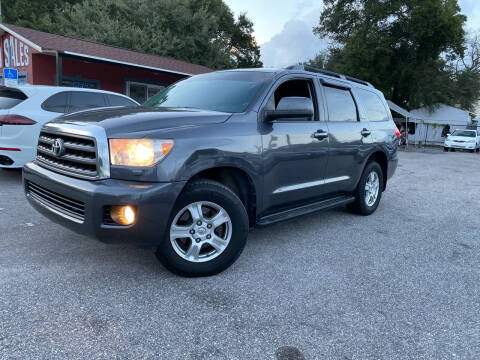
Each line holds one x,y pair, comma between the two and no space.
398,109
442,114
46,42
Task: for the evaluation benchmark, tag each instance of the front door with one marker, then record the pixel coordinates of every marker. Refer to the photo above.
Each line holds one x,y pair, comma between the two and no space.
294,156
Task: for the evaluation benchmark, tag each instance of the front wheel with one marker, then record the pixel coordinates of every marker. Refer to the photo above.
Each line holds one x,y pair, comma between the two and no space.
207,230
369,190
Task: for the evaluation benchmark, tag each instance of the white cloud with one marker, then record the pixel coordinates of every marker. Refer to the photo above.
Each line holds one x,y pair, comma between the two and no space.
296,42
471,8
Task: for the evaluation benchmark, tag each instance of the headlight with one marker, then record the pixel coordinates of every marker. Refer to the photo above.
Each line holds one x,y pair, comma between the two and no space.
138,152
471,141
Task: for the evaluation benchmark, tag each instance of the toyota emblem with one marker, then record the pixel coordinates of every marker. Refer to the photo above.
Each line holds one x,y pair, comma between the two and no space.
57,147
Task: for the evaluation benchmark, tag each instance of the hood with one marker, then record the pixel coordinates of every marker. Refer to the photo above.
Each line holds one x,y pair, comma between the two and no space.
460,138
129,120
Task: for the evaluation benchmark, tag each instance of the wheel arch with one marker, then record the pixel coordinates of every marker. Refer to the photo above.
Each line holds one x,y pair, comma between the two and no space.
381,158
238,181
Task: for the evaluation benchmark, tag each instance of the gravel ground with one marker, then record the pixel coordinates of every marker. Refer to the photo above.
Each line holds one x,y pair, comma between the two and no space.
403,283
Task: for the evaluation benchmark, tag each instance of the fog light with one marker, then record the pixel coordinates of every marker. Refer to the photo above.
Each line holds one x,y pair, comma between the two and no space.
123,215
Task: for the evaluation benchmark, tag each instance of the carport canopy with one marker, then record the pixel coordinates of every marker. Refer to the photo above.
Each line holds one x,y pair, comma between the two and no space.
398,109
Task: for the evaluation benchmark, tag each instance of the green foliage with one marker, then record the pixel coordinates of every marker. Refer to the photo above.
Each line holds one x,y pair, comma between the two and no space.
320,61
203,32
29,13
405,48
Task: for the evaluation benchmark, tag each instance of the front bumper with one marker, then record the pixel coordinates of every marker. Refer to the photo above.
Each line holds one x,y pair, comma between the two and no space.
153,201
458,145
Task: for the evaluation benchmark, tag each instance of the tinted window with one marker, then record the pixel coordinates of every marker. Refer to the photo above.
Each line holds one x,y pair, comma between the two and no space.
341,106
119,101
56,103
81,100
230,91
10,98
373,106
292,88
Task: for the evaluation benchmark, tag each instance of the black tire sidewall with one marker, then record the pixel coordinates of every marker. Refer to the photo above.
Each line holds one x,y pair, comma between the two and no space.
363,207
224,197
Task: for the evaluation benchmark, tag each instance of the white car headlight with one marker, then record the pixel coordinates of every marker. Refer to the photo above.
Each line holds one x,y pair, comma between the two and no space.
138,152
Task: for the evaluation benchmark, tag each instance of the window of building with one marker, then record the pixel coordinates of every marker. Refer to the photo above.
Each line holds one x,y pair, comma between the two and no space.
341,106
373,105
141,92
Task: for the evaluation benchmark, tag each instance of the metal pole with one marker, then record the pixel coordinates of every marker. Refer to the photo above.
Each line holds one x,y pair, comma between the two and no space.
406,133
58,73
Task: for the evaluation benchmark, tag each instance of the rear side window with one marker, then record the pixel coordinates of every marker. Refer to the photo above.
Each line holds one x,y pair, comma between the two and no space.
56,103
341,106
82,100
10,98
373,106
114,100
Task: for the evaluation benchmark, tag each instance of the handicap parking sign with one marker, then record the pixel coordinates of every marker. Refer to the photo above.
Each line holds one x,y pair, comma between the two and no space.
10,77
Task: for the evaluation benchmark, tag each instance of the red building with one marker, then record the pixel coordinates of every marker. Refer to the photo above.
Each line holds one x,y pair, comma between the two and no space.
48,59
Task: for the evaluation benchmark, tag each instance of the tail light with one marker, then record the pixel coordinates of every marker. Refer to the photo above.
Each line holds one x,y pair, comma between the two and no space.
15,120
397,132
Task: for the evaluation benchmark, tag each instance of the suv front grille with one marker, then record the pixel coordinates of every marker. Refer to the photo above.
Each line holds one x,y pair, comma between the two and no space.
70,208
77,156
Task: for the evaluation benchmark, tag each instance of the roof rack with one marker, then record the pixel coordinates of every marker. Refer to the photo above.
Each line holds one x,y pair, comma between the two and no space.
328,73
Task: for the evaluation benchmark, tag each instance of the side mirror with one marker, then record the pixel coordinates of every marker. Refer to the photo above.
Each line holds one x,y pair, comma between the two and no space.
291,107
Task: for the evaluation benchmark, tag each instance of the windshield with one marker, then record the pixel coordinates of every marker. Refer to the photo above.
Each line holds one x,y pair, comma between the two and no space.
465,133
229,92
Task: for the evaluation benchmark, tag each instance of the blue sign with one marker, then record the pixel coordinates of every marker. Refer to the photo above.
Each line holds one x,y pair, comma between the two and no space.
10,77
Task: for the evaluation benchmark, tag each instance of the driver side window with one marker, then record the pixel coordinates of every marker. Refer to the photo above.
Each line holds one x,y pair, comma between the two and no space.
293,88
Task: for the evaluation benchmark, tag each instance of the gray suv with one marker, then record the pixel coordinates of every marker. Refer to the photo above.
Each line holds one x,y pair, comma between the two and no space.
210,157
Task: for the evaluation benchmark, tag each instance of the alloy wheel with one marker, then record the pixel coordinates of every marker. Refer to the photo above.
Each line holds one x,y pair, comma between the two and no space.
200,231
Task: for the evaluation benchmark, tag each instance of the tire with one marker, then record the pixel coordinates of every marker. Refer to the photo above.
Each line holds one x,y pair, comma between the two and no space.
211,197
445,149
360,205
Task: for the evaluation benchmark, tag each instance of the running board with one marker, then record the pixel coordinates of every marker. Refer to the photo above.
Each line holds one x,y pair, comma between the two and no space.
303,210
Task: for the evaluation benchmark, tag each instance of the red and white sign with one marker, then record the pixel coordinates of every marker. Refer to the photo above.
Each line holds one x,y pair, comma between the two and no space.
15,53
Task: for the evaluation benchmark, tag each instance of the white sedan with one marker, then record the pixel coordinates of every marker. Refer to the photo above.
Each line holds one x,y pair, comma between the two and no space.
463,140
24,109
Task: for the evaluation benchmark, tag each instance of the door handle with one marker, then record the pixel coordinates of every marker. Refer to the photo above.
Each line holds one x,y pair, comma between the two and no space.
320,134
365,132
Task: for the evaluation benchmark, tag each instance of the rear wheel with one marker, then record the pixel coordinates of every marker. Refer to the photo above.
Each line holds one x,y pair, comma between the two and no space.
369,190
445,149
207,231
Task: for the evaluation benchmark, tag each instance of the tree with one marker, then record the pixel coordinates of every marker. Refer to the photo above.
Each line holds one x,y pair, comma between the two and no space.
403,47
204,32
29,13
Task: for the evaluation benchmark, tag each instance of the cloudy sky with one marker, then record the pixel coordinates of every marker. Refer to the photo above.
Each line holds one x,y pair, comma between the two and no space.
283,28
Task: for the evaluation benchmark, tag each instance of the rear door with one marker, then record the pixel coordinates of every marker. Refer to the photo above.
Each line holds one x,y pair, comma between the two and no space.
381,125
83,100
349,137
115,100
294,159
